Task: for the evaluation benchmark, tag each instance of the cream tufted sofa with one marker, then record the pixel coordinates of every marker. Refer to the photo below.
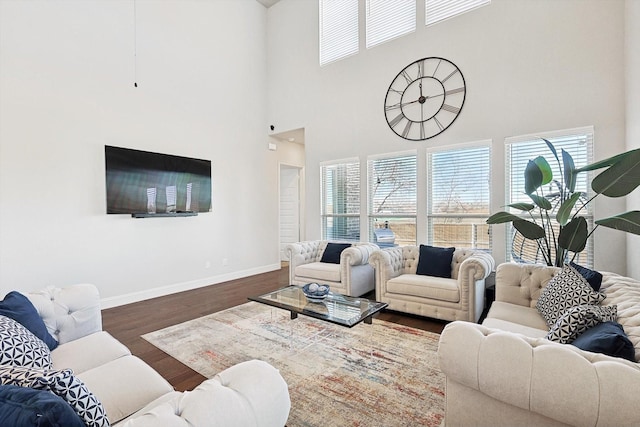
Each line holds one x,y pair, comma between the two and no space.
503,373
458,298
353,276
133,394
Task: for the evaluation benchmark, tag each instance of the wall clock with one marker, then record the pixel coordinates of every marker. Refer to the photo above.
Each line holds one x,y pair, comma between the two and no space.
425,98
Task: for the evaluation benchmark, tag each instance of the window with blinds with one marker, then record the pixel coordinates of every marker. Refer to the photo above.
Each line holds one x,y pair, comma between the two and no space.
392,199
340,207
439,10
388,19
519,150
458,199
338,29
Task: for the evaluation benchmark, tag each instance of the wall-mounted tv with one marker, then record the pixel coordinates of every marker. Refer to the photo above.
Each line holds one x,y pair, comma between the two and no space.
141,182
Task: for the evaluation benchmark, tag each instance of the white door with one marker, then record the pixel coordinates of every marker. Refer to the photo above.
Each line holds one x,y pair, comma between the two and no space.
289,207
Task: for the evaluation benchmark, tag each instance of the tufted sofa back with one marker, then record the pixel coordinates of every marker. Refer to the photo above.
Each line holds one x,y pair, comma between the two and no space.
69,313
411,256
522,283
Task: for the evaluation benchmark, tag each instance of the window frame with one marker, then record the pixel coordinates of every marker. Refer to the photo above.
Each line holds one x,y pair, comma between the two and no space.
431,215
325,216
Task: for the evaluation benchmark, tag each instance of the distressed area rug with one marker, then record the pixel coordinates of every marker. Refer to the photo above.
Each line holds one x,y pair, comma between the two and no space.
370,375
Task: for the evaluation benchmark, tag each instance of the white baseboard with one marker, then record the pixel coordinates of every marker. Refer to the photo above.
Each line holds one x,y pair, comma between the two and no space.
181,287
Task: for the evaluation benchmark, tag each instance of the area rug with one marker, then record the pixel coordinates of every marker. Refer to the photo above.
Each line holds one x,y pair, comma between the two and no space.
382,374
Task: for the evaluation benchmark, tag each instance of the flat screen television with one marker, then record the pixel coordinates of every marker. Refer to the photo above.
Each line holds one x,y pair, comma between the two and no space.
141,182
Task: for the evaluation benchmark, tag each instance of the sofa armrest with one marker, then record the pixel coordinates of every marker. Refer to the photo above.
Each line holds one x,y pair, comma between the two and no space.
387,264
300,253
358,254
249,394
478,266
69,313
541,376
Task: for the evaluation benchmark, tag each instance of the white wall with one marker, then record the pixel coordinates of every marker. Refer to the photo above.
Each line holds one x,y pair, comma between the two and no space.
66,90
632,51
530,66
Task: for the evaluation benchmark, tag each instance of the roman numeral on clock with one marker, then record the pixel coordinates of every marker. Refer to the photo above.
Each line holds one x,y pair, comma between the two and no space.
451,109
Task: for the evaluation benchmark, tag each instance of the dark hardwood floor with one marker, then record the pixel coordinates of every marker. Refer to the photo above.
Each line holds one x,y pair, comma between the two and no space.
127,323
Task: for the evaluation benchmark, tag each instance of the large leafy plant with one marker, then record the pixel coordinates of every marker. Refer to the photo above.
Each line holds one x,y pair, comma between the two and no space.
554,222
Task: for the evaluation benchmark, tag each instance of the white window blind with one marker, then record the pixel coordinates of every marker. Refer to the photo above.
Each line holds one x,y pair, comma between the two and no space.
519,150
458,201
439,10
340,207
392,197
388,19
338,29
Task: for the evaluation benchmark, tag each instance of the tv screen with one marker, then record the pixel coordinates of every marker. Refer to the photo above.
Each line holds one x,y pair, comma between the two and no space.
144,182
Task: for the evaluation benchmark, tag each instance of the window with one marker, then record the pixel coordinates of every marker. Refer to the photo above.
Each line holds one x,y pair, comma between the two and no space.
519,150
388,19
458,202
340,192
338,29
392,198
439,10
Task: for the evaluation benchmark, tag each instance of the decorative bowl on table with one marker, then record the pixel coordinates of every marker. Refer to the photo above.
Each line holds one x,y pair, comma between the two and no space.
315,292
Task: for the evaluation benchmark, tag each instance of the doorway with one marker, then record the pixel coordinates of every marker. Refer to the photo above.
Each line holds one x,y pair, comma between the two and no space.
289,207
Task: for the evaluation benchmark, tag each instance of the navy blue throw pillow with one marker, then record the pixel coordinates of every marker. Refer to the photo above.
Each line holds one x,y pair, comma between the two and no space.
435,261
332,252
607,338
18,307
593,277
28,407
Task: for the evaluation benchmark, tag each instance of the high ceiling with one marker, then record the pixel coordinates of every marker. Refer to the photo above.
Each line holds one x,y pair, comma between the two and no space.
267,3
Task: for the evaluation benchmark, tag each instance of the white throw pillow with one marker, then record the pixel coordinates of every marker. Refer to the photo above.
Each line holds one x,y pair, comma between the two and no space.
567,289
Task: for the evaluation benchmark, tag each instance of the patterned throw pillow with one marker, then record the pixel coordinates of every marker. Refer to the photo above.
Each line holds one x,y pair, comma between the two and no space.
19,347
578,319
567,289
62,383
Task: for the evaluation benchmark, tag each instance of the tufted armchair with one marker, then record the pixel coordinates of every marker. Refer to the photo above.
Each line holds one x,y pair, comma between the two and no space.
459,298
353,276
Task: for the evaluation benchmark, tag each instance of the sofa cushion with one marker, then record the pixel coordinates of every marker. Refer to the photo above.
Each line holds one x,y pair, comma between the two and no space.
607,338
62,383
528,317
437,288
578,319
88,352
19,308
125,385
435,261
27,407
594,278
318,271
567,289
19,347
332,252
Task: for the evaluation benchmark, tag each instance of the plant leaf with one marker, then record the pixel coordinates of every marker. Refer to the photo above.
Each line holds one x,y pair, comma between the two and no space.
541,202
569,171
628,222
532,177
502,217
564,213
607,162
545,168
529,229
522,206
621,178
552,148
573,236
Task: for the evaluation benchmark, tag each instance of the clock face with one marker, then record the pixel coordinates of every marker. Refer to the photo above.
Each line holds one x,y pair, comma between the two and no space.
425,98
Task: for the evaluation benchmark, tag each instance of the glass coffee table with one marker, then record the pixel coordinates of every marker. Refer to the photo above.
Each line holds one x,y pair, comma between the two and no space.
335,308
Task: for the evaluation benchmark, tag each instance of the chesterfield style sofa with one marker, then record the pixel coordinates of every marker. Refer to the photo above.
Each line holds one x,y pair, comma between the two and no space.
505,373
133,394
352,276
460,297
